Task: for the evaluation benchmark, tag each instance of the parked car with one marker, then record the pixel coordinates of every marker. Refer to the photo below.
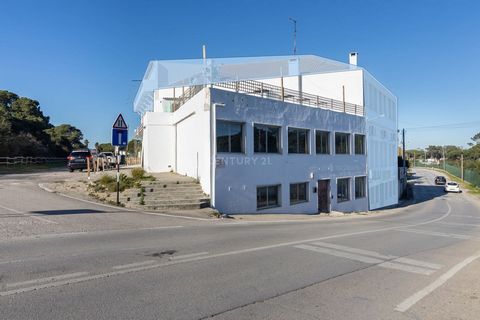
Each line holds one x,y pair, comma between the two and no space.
78,160
440,180
452,187
109,157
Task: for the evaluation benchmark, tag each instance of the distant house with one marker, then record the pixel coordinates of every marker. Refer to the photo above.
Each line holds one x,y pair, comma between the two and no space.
286,134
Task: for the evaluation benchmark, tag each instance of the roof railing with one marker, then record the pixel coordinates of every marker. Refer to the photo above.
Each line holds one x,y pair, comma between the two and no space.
269,91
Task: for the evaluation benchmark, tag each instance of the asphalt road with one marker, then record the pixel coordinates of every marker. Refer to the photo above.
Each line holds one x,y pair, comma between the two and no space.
62,258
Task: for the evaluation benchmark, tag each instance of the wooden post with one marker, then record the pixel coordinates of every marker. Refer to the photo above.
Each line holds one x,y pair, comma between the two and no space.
88,168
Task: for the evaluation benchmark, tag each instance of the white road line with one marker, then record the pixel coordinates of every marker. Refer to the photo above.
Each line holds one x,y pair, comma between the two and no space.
419,263
351,256
354,250
438,234
190,255
412,300
199,258
47,279
407,268
28,215
460,224
132,265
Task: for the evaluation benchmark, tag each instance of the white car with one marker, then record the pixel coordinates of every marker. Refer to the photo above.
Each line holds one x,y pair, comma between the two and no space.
452,187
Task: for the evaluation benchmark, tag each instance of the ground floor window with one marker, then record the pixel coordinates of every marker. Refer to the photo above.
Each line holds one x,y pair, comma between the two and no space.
298,192
360,187
268,196
343,189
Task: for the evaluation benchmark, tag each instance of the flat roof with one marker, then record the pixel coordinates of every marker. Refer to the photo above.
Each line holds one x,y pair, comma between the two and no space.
162,74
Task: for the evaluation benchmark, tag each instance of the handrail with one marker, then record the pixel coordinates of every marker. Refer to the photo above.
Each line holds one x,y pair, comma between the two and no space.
269,91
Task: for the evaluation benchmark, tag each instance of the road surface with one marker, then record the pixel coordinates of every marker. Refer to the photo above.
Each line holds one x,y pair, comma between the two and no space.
61,258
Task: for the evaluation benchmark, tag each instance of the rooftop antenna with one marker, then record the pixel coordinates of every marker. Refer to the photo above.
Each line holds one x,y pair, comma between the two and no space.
294,35
204,52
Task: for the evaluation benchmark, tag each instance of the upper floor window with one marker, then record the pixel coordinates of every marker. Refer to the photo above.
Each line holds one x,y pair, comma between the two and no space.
266,139
359,144
322,142
229,136
342,143
298,140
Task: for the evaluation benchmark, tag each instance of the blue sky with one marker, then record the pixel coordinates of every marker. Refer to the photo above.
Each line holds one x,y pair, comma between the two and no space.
78,58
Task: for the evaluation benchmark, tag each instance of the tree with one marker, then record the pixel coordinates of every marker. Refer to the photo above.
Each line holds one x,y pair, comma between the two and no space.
104,147
26,131
476,138
65,138
134,146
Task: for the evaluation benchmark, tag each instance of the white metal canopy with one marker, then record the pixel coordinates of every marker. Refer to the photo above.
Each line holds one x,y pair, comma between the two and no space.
163,74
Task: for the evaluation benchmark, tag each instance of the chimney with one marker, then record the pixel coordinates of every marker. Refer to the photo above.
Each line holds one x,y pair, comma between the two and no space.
353,58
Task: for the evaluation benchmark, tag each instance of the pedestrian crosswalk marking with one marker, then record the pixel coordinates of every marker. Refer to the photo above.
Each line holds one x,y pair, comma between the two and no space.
372,257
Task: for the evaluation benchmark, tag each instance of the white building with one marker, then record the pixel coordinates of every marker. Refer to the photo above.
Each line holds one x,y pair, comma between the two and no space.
288,134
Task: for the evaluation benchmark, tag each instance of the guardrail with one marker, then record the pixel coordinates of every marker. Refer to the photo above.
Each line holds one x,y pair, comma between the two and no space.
269,91
14,161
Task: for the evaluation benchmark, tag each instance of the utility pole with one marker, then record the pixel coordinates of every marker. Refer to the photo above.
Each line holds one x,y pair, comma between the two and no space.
294,35
461,166
444,165
403,149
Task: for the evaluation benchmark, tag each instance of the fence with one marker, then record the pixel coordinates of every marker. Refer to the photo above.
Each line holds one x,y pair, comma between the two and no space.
265,90
471,176
19,161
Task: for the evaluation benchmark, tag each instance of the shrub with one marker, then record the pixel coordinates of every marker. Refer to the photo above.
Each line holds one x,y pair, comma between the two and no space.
138,173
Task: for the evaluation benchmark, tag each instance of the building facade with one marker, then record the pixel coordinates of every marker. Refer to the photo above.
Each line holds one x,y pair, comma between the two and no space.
295,134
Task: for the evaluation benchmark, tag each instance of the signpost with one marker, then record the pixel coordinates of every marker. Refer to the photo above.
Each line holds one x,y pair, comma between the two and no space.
119,139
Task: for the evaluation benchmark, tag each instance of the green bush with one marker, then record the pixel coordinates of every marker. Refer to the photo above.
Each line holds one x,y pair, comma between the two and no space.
138,173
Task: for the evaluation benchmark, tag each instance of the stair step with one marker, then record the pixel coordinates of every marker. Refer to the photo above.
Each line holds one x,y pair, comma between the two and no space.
174,201
185,206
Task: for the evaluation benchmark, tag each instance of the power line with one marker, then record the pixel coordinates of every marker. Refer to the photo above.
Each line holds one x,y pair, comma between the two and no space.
457,125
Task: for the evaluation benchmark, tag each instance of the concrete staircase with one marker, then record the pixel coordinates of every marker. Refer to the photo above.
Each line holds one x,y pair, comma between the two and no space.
169,192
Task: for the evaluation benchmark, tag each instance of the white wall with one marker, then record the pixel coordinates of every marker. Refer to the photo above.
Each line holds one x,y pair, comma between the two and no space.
158,142
240,174
192,122
381,116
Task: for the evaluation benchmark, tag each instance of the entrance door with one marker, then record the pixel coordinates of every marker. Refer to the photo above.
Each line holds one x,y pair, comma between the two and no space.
323,192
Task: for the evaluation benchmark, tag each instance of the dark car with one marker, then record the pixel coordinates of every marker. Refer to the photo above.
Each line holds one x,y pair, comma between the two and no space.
440,180
78,160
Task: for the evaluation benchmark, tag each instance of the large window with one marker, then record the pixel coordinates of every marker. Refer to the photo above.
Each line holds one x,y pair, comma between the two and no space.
343,189
342,143
268,196
229,136
360,187
322,142
266,139
359,144
297,140
298,192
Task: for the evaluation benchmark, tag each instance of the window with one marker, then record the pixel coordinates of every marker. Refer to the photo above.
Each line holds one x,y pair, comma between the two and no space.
268,197
343,189
298,192
342,143
360,187
266,139
297,140
322,142
229,136
359,144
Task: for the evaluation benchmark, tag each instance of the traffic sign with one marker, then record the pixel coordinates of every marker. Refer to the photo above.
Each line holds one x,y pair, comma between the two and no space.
120,123
119,137
120,132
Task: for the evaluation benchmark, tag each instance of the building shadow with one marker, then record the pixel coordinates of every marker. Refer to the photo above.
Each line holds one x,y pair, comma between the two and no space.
66,211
